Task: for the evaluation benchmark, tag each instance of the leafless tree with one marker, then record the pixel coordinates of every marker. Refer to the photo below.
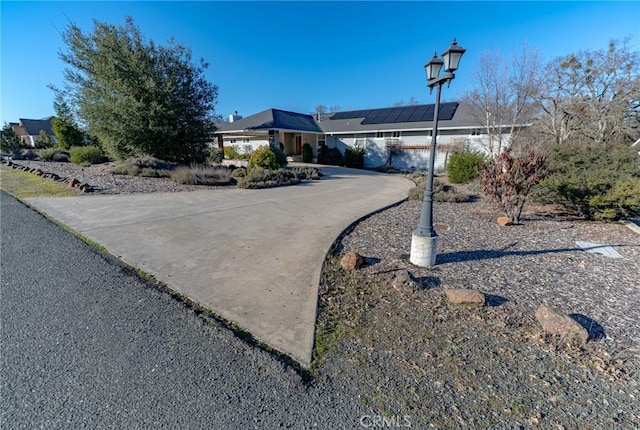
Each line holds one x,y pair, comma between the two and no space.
594,96
504,96
321,109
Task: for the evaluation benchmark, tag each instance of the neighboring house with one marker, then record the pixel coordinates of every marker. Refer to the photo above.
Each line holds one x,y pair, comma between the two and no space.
396,136
29,130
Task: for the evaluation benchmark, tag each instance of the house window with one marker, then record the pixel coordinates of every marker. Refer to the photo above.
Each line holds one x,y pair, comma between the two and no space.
379,135
246,140
395,135
321,141
232,141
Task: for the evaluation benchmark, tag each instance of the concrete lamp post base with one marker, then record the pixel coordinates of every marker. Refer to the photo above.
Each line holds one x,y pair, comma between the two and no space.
423,250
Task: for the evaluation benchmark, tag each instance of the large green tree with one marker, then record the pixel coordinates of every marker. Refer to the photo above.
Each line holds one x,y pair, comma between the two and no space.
64,126
137,97
9,141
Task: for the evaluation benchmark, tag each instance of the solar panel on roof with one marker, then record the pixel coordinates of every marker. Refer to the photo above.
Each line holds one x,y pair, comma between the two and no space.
394,114
406,113
447,110
400,114
418,115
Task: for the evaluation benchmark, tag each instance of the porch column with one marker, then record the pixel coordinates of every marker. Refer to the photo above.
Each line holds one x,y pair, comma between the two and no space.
274,138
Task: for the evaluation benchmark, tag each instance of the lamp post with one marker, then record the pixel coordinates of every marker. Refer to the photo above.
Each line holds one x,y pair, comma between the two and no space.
425,239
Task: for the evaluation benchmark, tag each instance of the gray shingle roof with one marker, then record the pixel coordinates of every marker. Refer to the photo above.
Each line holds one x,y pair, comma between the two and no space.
33,126
453,115
273,119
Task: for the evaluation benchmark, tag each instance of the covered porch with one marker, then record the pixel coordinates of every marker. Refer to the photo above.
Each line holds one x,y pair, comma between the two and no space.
289,131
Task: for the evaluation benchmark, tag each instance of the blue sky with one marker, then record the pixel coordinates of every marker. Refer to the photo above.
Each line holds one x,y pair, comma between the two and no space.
296,55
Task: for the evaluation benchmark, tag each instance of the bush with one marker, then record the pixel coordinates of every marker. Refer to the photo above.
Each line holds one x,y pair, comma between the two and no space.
215,156
86,155
49,154
267,178
307,153
240,172
145,165
125,169
441,193
230,153
202,175
263,157
60,158
509,178
464,167
330,156
280,156
148,172
30,155
354,157
597,182
306,173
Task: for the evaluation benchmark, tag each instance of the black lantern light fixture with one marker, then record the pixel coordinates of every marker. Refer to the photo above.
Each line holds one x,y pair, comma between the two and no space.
425,239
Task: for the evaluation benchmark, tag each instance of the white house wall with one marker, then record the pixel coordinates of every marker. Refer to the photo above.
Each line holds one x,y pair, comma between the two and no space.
377,150
242,146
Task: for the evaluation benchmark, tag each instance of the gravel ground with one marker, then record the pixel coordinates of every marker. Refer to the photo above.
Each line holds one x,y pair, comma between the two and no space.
100,178
420,361
413,354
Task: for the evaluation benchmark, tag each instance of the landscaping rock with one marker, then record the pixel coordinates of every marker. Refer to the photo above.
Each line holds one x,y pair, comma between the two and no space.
461,296
86,188
403,282
73,182
351,261
504,221
556,323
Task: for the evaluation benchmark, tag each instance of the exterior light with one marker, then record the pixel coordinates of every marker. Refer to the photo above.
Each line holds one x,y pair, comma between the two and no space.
433,67
452,57
424,240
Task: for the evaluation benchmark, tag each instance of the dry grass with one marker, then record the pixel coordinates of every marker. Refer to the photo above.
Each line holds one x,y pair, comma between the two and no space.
24,185
202,175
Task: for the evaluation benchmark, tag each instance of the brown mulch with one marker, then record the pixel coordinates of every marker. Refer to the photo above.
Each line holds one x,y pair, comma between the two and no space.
447,366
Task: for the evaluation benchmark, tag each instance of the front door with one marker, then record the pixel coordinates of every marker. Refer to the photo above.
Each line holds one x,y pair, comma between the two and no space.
298,145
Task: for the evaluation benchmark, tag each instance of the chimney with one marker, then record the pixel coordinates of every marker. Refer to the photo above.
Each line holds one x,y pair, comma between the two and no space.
234,117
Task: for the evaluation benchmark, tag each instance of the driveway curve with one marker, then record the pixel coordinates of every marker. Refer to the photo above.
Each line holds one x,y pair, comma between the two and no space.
253,257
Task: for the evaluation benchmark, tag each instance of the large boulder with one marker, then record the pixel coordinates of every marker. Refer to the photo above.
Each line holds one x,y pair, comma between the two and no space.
460,296
403,282
559,324
351,261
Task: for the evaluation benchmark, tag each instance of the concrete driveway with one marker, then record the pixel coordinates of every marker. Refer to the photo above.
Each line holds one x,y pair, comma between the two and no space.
253,257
